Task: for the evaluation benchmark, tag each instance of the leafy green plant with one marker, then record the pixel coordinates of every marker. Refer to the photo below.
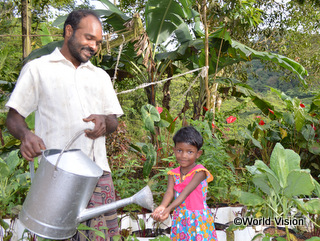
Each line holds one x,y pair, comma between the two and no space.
154,123
14,184
125,179
279,187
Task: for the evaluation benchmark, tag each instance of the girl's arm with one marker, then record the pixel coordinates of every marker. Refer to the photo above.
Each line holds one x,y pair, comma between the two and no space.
167,198
195,181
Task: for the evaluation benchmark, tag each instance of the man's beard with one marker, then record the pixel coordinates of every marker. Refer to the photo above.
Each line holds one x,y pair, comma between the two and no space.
75,49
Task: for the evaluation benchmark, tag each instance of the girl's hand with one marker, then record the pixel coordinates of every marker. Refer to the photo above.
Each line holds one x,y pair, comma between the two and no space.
157,213
164,214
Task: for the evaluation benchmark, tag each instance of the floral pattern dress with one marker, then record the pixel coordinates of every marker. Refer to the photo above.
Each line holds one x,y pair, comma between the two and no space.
193,219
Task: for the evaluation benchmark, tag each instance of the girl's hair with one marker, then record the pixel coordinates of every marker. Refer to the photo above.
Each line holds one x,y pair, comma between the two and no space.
188,135
75,17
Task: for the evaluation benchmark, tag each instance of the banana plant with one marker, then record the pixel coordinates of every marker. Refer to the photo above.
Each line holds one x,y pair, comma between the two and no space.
280,186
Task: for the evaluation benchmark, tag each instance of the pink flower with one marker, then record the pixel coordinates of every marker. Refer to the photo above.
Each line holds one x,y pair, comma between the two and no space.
258,117
199,237
159,109
261,123
231,119
302,105
271,111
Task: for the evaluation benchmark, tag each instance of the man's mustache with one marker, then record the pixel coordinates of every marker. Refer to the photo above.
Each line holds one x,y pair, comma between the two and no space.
91,51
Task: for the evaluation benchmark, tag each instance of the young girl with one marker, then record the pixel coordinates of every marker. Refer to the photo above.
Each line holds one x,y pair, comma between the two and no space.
191,219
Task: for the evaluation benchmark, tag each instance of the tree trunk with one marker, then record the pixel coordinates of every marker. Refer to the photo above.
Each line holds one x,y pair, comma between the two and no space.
26,28
206,51
166,90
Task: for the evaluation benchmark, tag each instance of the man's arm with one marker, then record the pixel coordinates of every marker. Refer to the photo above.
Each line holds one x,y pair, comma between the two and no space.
103,125
31,144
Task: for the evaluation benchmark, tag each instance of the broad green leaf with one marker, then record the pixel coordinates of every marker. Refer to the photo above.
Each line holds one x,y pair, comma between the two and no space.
282,162
165,115
96,231
12,160
47,38
299,119
112,8
47,49
162,123
183,33
253,170
151,159
4,170
273,179
299,183
30,120
150,115
317,188
254,141
249,199
278,59
288,118
162,19
261,181
313,206
308,132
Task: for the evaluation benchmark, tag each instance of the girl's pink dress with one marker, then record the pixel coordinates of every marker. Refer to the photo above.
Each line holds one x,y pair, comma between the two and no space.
193,219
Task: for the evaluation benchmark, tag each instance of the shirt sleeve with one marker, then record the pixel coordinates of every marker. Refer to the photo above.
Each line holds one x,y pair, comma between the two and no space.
112,105
24,98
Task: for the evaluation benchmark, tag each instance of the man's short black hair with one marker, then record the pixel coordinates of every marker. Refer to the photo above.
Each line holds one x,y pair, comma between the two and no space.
188,135
75,17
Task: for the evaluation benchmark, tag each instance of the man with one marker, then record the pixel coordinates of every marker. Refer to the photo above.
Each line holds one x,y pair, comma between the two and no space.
69,94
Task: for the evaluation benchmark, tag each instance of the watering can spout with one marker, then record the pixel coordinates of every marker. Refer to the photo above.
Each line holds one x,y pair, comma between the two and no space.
142,198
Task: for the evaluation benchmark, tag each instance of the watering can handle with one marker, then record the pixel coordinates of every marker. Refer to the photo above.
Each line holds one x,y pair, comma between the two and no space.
76,136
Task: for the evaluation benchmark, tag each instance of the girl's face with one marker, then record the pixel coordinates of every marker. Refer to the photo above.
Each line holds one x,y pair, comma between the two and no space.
186,154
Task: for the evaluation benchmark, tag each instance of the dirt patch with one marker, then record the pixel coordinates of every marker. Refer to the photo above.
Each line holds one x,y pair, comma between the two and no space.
280,231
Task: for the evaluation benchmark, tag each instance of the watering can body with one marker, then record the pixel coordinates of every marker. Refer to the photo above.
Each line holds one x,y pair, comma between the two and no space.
58,194
60,191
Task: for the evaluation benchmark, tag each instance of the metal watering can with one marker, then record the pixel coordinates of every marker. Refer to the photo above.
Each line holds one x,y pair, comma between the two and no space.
60,191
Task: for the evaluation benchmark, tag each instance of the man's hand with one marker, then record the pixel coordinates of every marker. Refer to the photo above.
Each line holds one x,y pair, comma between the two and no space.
103,124
31,146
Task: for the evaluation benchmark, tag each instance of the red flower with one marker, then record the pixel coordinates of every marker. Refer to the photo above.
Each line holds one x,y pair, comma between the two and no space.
231,119
171,164
213,126
159,149
302,105
205,108
271,111
312,125
175,119
159,109
261,123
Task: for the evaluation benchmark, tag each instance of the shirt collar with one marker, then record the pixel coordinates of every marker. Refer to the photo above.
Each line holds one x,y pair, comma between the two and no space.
58,56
